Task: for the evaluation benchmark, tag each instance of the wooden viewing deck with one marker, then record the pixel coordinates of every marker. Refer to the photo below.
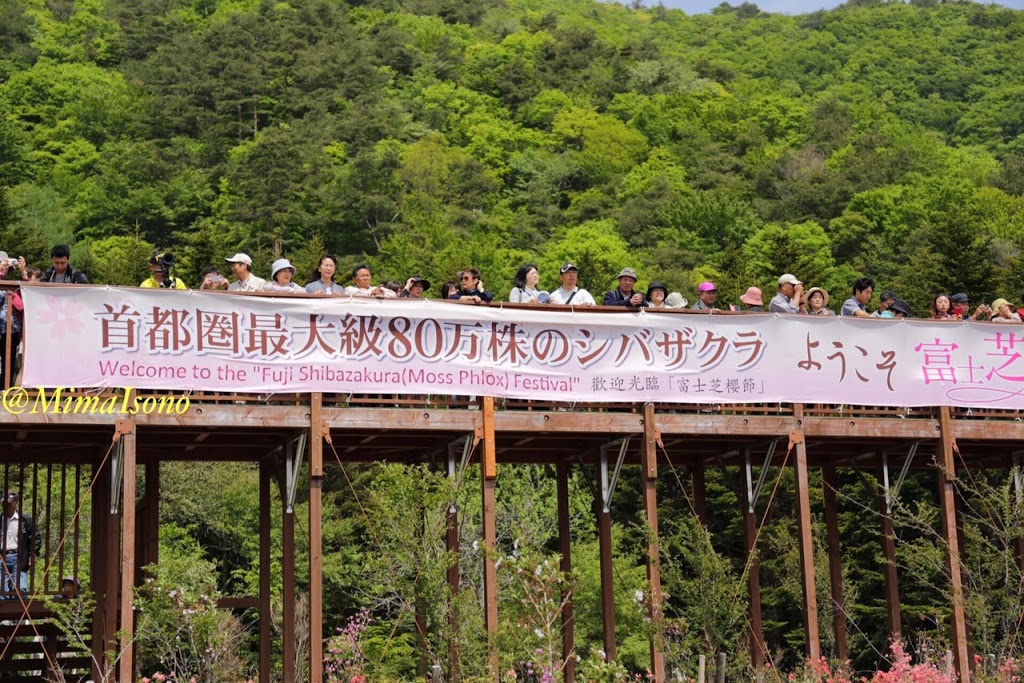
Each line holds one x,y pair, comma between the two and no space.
416,430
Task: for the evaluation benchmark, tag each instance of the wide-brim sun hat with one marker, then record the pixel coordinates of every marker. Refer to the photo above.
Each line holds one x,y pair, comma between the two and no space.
752,297
812,290
279,265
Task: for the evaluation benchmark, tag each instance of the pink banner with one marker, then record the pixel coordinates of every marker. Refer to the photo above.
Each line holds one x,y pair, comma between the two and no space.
181,340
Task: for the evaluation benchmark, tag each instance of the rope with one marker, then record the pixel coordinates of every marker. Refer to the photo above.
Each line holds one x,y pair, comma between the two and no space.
26,606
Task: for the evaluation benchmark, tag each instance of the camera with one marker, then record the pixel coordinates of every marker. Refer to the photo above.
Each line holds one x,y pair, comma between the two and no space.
214,277
12,262
165,260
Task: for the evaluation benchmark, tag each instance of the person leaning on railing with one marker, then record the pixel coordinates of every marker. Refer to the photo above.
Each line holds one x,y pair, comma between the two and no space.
12,314
60,270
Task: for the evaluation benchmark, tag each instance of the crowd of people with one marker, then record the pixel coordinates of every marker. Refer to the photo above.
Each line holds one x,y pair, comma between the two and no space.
468,287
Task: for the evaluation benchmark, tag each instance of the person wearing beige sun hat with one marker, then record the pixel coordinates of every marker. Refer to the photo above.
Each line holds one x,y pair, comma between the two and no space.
816,302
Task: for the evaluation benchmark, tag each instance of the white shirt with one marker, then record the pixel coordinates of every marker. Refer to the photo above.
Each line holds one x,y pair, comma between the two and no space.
13,525
249,284
385,293
582,298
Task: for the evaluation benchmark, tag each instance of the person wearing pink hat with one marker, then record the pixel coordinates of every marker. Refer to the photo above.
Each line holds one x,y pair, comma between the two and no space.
752,301
707,295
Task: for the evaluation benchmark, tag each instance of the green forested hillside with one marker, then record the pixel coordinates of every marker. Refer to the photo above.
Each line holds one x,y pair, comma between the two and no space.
426,135
881,139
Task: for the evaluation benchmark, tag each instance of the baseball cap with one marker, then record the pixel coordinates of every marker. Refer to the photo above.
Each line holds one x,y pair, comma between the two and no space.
960,298
240,258
789,279
707,287
628,272
11,496
567,266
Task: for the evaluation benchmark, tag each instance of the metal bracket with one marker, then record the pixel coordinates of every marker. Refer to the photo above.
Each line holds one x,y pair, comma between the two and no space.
608,487
116,473
754,492
325,432
892,492
294,451
796,437
1018,480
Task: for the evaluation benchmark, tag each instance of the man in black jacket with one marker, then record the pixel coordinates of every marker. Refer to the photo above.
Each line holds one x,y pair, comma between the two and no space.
21,544
60,270
625,295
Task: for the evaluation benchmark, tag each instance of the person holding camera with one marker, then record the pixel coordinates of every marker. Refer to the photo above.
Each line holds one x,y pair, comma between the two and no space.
213,280
160,278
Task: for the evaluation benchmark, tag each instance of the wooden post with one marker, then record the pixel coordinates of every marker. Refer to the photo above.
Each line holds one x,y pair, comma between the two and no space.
756,630
452,545
947,504
649,484
805,539
151,514
604,535
830,483
700,492
892,590
265,559
488,474
316,574
288,587
1018,486
565,549
100,572
126,663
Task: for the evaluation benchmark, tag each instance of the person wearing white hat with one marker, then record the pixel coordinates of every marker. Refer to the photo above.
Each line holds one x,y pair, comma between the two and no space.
791,293
245,281
281,274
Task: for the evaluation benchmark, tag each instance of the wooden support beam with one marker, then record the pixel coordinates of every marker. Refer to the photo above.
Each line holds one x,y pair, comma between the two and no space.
755,632
947,505
806,541
604,535
102,629
452,546
830,483
565,550
288,589
266,541
316,569
488,474
649,485
126,428
892,590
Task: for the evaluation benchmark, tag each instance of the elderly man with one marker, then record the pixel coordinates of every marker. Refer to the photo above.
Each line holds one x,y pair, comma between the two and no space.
245,281
569,294
707,295
625,295
21,545
857,305
791,293
362,284
60,269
